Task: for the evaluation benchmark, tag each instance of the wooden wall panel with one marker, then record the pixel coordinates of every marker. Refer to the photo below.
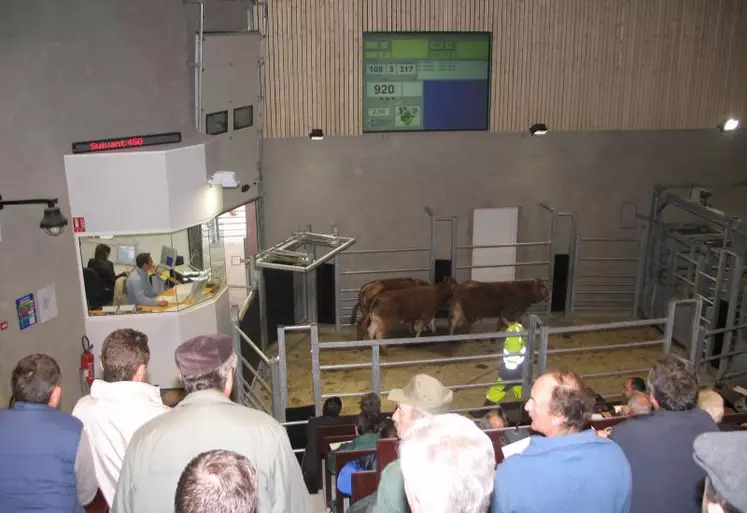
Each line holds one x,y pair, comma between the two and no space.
573,64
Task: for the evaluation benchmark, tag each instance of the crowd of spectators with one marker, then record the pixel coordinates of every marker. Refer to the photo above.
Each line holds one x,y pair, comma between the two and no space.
210,455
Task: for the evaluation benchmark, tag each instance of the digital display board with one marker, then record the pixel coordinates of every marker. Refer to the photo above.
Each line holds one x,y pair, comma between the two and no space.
421,81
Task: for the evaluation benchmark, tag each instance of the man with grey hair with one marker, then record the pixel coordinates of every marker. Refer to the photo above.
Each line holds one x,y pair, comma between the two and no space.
639,404
217,482
447,464
722,456
659,445
207,419
422,397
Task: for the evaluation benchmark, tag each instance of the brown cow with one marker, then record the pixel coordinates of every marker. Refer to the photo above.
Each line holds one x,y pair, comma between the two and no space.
506,300
416,306
370,290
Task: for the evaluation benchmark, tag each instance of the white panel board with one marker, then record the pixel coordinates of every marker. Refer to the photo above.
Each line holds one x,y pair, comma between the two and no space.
492,226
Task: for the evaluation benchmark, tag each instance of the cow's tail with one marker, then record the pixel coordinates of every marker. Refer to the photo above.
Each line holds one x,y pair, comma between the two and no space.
354,314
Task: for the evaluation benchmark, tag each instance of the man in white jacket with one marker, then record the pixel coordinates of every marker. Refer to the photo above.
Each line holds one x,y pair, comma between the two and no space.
119,404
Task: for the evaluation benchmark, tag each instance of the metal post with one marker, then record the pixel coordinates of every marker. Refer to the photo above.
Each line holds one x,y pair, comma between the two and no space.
239,373
277,407
454,251
527,373
669,327
650,276
337,293
432,250
551,258
262,309
283,369
696,355
695,332
573,265
639,277
316,375
375,369
542,357
735,280
717,289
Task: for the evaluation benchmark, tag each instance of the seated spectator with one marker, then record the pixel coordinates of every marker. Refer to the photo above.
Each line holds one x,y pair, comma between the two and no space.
119,404
639,404
344,477
447,465
217,482
371,404
496,419
659,446
207,419
422,397
366,436
310,464
570,468
712,402
722,456
45,456
631,385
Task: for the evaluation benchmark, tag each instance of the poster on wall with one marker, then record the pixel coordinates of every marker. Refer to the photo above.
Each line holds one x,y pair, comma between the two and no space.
26,309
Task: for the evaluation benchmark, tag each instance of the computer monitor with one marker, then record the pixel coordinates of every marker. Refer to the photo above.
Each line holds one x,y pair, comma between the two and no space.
168,256
126,254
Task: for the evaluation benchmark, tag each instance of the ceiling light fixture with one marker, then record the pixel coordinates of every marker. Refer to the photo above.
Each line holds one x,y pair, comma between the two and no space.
538,129
53,222
729,125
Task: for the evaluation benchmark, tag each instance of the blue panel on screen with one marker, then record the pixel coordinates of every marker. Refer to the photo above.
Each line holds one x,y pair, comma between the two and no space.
455,105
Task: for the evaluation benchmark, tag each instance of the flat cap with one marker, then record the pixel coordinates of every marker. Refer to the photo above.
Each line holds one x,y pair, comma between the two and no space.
203,354
722,456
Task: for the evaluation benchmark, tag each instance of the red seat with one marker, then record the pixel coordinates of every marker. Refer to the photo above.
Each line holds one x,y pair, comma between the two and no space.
364,484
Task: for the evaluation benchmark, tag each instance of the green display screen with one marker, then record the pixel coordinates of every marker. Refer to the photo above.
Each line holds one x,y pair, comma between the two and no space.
426,81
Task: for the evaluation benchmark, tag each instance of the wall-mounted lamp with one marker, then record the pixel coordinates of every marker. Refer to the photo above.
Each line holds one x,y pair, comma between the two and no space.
53,221
729,125
316,134
538,129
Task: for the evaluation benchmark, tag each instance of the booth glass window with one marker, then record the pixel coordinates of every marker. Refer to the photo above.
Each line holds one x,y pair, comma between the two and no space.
153,273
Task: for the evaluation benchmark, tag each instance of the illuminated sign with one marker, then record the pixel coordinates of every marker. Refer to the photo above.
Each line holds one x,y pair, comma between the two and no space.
122,143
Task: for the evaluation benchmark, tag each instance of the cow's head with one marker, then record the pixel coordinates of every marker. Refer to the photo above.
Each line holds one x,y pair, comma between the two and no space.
539,290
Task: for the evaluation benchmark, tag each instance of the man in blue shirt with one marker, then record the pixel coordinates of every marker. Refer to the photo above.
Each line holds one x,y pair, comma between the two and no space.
571,468
139,289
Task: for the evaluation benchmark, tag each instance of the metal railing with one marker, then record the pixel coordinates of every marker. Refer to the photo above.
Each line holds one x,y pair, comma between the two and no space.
537,345
251,381
595,287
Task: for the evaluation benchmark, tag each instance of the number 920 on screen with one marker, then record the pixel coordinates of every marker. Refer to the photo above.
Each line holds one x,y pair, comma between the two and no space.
384,89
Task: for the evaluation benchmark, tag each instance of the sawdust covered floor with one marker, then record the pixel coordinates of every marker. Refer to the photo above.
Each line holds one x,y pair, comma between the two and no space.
300,389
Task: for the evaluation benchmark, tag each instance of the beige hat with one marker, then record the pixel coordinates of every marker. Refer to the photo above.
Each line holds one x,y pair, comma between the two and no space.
424,392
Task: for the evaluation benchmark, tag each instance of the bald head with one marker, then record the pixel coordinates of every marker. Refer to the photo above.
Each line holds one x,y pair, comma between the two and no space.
639,404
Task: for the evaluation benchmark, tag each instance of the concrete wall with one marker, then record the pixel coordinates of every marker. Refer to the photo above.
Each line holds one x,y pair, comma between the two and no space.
375,186
73,71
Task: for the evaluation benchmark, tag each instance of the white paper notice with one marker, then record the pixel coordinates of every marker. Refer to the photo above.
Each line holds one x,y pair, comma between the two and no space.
46,303
516,447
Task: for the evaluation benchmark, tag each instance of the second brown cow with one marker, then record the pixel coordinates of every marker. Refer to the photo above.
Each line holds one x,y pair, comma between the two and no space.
507,301
370,290
416,306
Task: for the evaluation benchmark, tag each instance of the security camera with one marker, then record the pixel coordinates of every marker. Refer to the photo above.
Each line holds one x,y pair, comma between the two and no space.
226,179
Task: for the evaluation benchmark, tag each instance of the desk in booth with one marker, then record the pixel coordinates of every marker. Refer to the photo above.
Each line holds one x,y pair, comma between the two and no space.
166,327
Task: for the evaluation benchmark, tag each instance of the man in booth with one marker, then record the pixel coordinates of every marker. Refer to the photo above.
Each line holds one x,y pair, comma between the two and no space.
140,291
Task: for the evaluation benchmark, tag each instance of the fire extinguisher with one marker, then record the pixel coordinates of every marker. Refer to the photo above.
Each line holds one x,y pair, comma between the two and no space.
87,369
